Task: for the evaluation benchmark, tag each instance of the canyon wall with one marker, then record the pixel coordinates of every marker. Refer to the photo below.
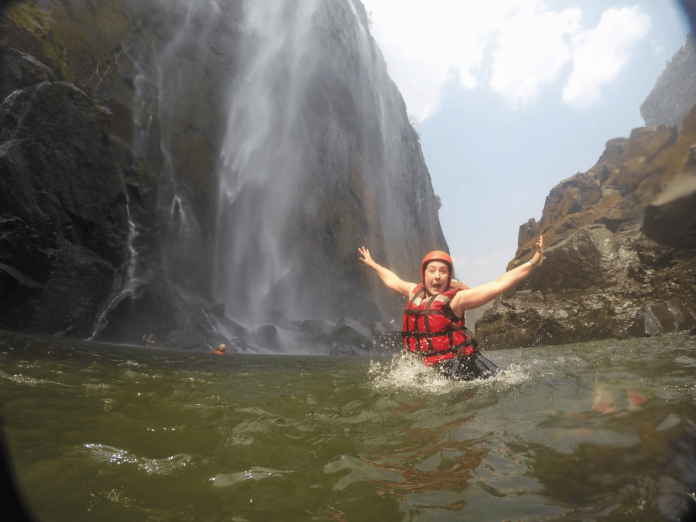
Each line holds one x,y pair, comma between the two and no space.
620,249
675,90
128,206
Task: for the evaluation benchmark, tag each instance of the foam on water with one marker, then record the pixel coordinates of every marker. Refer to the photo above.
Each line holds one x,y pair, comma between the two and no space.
29,381
111,455
255,473
407,374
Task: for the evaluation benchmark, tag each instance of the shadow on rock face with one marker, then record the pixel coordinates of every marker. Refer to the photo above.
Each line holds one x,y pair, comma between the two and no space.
64,218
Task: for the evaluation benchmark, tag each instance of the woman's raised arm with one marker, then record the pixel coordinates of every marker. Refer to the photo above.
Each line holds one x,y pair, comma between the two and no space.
475,297
389,278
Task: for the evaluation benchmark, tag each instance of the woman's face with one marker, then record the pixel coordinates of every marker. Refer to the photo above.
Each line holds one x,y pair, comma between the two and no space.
436,277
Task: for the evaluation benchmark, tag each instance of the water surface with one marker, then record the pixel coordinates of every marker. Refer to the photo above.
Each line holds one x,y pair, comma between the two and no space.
594,431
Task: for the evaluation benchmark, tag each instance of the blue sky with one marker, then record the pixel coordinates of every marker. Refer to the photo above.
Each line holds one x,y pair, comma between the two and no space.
515,96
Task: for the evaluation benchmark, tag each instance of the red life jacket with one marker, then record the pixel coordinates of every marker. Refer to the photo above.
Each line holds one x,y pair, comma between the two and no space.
431,330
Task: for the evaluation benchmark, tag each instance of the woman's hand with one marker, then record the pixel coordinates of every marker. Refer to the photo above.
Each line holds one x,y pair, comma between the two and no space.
540,251
366,258
475,297
389,278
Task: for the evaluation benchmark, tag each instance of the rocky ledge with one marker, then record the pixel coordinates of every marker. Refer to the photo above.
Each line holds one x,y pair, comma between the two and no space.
620,256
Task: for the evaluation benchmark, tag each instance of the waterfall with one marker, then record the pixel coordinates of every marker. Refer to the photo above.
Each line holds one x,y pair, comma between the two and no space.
317,159
123,287
262,155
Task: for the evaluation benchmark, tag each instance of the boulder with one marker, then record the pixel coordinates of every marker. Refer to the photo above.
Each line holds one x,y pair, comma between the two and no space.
347,350
349,331
315,327
267,335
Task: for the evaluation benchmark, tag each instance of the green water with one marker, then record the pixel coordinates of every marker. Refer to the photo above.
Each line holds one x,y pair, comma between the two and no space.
596,431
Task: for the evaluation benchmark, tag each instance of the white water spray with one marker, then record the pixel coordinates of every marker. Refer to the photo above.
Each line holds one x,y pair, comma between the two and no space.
318,157
127,289
263,152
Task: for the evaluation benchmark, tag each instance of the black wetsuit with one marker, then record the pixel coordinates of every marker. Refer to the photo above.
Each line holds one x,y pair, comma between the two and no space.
467,367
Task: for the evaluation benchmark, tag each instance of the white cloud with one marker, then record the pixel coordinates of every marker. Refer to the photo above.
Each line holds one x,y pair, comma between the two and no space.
601,53
513,46
532,50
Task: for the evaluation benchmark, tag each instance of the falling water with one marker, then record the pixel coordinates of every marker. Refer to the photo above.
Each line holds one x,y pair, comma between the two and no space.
262,153
318,158
129,282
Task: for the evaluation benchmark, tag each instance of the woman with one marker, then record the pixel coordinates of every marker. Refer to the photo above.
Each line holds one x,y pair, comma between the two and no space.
433,324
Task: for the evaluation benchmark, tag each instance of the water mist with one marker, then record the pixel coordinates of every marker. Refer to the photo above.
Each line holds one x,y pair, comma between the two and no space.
318,159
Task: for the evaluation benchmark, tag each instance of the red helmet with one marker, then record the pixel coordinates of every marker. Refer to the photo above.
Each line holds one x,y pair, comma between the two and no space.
437,255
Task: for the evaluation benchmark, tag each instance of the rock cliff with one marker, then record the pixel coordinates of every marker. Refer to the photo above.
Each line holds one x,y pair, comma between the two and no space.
620,256
113,209
674,92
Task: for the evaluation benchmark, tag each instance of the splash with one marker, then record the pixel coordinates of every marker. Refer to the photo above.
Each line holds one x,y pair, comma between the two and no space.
403,373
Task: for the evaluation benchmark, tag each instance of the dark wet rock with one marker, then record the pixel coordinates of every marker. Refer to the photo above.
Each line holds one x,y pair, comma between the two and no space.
63,219
187,339
218,310
316,327
350,331
322,343
342,351
620,256
267,335
159,309
21,70
235,329
241,346
65,275
347,350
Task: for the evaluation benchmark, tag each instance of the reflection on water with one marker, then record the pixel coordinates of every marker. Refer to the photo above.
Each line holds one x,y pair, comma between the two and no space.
578,432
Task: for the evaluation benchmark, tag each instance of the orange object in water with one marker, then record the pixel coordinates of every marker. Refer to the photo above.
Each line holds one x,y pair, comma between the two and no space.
220,350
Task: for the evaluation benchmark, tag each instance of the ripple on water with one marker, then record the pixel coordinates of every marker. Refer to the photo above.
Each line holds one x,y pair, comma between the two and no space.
134,364
255,473
25,380
111,455
359,470
534,442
